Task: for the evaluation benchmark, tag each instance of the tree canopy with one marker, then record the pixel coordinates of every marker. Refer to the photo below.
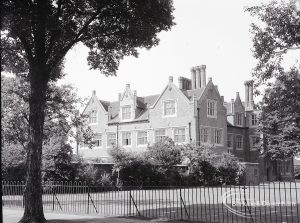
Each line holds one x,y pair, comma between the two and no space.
274,35
281,116
37,34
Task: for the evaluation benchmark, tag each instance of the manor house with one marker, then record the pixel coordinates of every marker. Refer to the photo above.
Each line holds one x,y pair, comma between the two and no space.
192,111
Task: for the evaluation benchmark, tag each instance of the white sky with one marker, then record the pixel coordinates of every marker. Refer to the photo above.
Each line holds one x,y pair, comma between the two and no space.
214,33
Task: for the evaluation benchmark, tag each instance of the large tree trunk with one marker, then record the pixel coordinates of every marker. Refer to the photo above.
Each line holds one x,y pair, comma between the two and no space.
33,188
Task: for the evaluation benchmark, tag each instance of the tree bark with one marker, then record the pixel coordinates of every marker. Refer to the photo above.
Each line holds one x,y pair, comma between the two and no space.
33,189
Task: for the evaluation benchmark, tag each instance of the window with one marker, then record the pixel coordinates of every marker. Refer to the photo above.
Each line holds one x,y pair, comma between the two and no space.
142,137
111,139
169,108
126,138
229,141
98,140
239,142
238,119
211,108
217,136
256,172
254,142
179,135
254,120
126,112
160,135
203,135
93,117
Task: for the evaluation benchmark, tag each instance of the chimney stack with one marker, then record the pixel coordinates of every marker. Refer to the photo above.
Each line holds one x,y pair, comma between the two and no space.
232,106
180,83
93,92
249,103
203,75
127,86
193,78
170,79
198,77
237,94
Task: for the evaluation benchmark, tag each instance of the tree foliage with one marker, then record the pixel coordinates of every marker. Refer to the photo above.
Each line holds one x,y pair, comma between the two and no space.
281,116
275,34
37,34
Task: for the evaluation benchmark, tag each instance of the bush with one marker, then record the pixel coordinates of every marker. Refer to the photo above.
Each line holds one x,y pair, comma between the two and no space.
230,172
134,168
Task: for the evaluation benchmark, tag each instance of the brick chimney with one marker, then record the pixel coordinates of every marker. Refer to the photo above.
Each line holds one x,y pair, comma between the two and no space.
232,106
193,77
203,75
170,79
249,102
180,83
93,92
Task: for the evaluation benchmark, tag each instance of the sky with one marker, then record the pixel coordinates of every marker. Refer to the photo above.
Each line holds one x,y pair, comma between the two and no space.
214,33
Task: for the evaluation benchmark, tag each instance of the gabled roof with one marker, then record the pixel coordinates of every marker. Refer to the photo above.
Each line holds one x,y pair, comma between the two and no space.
143,104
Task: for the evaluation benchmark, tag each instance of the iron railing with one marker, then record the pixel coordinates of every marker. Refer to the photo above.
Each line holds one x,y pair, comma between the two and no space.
269,202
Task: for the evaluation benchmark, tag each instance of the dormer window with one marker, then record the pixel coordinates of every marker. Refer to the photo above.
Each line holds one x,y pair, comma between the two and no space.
93,117
126,112
169,108
211,108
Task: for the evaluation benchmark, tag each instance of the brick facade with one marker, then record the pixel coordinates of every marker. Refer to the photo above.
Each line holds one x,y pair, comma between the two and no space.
194,111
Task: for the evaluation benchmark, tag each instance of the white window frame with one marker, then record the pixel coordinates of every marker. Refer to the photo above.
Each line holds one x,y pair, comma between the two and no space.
162,136
96,117
164,108
179,135
214,135
129,140
202,134
239,117
98,137
236,142
209,109
137,138
107,139
130,112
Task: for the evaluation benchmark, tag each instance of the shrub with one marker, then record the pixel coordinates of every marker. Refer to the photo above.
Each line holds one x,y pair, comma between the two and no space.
229,171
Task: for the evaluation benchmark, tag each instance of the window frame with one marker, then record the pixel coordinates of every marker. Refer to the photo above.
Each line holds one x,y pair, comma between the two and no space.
230,136
130,112
98,137
214,108
109,145
137,138
164,108
252,139
238,118
254,120
214,131
179,135
202,135
162,136
90,117
129,139
236,142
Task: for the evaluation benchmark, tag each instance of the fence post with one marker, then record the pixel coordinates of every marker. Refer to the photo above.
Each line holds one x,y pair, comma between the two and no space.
88,194
53,196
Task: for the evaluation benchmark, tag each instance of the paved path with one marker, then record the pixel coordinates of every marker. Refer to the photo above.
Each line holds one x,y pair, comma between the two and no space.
14,215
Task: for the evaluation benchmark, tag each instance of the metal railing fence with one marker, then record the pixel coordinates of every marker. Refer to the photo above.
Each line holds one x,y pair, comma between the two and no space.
270,202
